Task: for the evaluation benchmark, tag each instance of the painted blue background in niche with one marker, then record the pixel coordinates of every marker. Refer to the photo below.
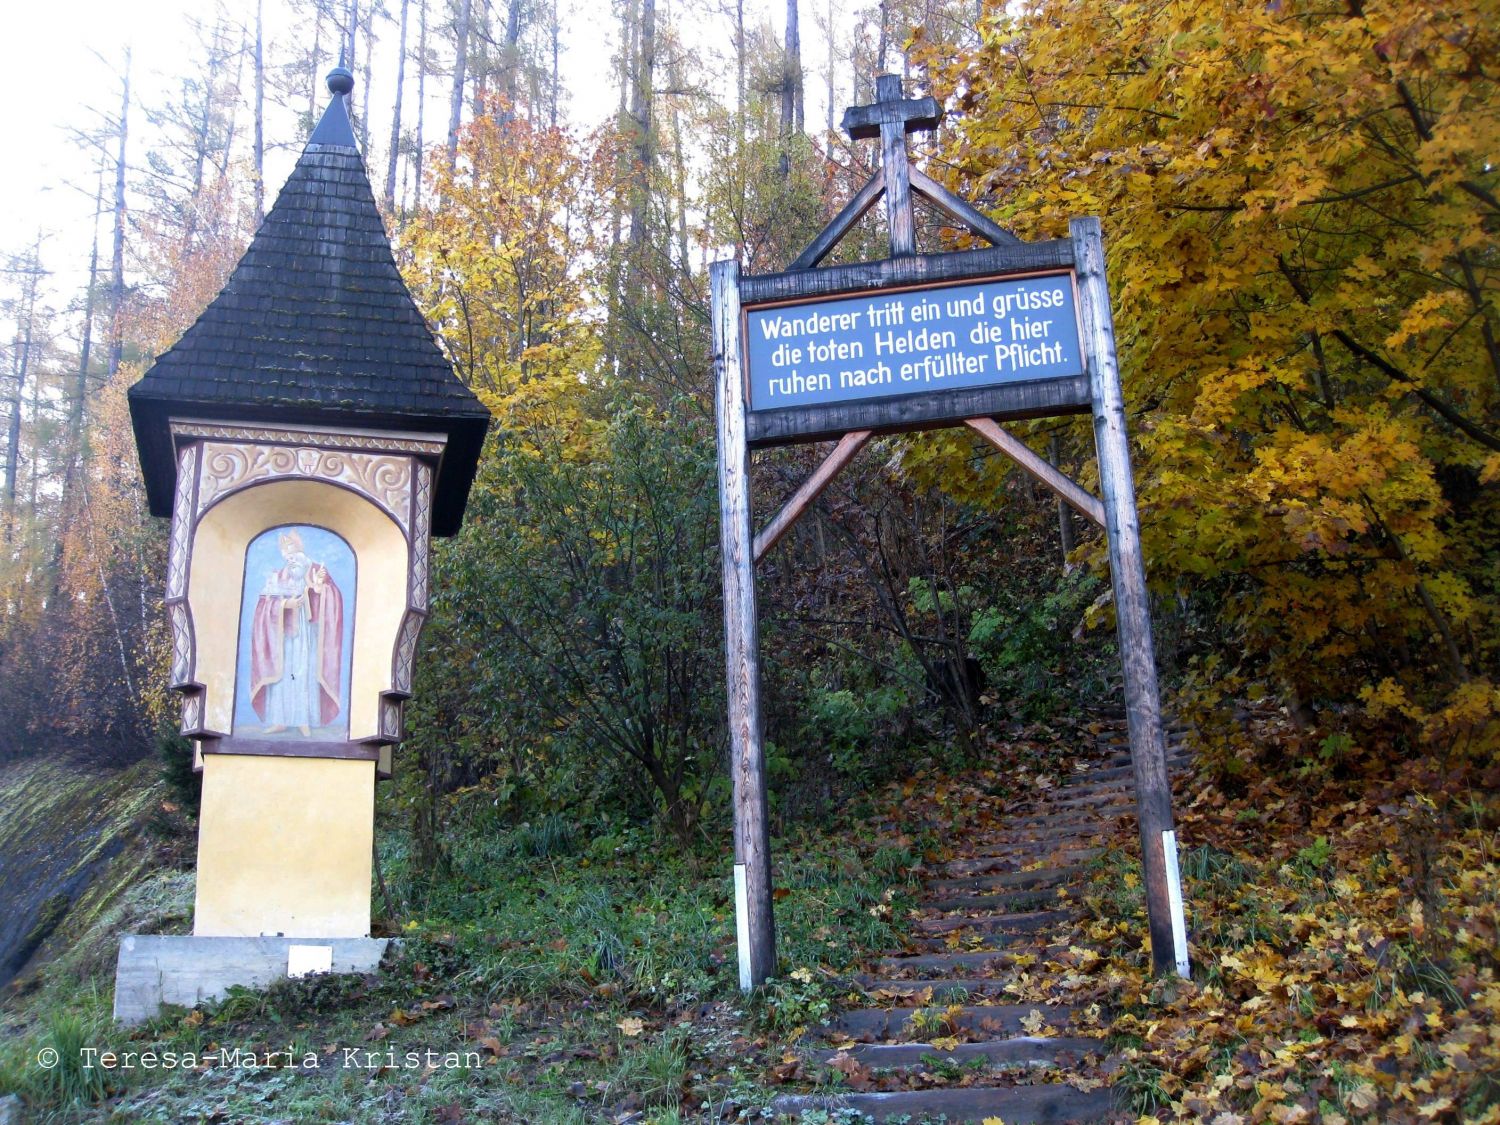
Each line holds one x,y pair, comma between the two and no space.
269,573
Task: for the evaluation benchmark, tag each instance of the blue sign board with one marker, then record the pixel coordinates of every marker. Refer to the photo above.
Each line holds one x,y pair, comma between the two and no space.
888,343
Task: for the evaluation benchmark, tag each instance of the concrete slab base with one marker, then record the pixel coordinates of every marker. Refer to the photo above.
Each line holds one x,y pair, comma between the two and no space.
159,969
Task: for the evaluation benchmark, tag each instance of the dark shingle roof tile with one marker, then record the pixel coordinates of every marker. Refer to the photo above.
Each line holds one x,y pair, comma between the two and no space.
314,325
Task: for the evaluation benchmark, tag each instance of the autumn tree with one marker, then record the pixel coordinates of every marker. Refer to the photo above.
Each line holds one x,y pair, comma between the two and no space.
1300,209
496,265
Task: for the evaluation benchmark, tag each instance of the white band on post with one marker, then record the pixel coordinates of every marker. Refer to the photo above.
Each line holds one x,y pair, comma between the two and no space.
1174,893
742,926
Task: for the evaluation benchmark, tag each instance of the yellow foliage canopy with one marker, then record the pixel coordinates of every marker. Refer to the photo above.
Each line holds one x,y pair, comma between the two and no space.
1300,205
498,263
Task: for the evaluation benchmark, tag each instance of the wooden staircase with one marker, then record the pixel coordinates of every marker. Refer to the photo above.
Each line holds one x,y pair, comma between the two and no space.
942,1036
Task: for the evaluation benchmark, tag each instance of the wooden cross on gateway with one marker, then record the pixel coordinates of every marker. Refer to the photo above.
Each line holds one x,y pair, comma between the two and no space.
891,117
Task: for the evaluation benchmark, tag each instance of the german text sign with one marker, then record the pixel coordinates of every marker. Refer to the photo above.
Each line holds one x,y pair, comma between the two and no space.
885,344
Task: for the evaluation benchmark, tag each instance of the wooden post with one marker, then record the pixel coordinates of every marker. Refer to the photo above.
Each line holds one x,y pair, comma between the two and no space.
1148,748
755,925
896,171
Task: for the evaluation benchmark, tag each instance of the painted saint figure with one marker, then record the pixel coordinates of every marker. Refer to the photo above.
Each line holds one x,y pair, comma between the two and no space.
296,644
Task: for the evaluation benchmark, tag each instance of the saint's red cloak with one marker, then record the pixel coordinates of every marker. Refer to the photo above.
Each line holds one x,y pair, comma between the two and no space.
273,614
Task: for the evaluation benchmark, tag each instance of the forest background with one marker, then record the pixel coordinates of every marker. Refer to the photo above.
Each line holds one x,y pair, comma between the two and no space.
1300,209
1300,205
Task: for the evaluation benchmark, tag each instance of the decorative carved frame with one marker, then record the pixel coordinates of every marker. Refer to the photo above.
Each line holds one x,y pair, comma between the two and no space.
392,471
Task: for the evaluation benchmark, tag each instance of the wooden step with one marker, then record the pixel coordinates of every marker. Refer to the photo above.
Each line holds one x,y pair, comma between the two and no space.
981,940
1012,861
941,989
986,942
979,960
1067,797
1022,923
1045,877
1011,902
1017,1050
1114,774
1088,798
1047,822
1175,759
1015,1105
1035,844
1098,775
870,1024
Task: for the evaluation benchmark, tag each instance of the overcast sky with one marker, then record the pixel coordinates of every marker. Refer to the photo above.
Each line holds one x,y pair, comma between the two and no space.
59,72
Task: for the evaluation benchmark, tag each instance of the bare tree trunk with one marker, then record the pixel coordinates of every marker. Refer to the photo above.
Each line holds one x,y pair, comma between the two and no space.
417,146
367,77
31,269
77,409
626,68
830,68
791,75
232,99
34,461
556,76
117,269
312,67
641,109
390,168
510,62
1064,512
885,43
739,56
791,87
346,53
460,62
260,115
679,168
22,357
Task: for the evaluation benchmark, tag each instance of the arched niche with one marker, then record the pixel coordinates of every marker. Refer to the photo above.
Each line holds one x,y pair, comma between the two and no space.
217,575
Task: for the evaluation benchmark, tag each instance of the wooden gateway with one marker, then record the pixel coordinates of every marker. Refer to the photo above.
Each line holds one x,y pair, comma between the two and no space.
978,337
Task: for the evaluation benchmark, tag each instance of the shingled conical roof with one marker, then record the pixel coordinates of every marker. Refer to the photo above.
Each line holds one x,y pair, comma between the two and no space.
314,326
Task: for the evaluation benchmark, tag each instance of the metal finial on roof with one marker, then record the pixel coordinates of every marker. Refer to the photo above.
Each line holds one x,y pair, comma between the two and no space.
340,81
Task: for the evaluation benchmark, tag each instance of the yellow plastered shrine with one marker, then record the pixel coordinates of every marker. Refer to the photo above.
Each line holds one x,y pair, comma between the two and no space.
308,438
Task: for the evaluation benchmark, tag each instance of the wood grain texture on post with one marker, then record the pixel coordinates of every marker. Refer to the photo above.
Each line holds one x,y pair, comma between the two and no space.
897,179
1148,750
741,630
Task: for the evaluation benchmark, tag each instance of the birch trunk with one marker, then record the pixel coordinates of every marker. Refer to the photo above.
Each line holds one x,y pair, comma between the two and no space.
390,168
460,63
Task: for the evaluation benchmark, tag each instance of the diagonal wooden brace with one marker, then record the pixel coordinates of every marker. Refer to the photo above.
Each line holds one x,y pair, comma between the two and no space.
865,198
959,211
1086,505
850,444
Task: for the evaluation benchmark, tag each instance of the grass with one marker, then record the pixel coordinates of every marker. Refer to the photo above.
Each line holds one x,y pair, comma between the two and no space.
592,968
